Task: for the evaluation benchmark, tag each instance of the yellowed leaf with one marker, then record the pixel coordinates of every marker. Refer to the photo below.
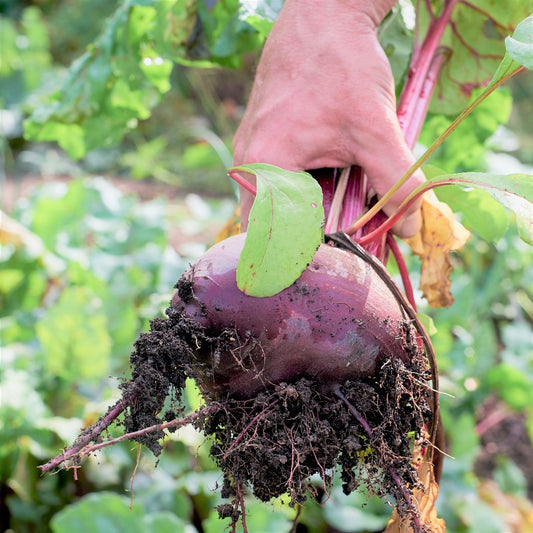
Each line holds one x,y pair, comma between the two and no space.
424,500
440,234
232,226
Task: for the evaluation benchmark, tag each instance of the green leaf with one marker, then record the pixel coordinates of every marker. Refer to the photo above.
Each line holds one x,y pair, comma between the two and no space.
474,44
261,14
478,210
520,45
97,513
514,191
165,522
474,133
519,51
397,42
428,323
224,37
74,336
343,511
120,78
513,385
285,229
509,477
106,512
259,518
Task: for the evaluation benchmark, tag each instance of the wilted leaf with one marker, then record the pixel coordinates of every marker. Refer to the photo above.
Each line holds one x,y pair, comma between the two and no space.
425,499
285,229
439,235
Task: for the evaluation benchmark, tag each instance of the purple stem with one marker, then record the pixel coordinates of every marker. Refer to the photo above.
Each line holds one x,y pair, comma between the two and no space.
355,197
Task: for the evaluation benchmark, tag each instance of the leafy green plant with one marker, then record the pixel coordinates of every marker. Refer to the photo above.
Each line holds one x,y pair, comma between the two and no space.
472,366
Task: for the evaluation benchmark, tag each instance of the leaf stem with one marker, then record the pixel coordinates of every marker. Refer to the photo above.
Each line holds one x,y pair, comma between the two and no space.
427,154
402,267
420,65
336,204
416,122
242,182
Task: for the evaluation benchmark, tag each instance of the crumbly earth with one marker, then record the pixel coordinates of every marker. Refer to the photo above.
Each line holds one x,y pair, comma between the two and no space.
273,443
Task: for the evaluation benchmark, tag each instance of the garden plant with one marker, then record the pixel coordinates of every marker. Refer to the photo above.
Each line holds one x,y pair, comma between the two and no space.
311,363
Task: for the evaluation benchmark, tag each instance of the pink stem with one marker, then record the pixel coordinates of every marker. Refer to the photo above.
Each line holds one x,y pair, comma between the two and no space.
422,104
243,183
332,222
419,67
355,198
402,267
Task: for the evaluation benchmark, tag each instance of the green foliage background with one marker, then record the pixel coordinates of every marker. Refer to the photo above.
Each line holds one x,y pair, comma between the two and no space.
89,266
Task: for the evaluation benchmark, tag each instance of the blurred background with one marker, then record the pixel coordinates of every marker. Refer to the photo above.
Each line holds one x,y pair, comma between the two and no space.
91,247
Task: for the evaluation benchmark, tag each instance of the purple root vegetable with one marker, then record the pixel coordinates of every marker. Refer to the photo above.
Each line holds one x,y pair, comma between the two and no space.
338,321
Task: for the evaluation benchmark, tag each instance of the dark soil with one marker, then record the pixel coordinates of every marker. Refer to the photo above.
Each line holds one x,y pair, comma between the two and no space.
273,443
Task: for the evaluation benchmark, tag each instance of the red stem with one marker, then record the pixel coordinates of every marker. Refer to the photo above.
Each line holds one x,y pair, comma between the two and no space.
243,183
355,198
422,104
386,226
402,267
419,68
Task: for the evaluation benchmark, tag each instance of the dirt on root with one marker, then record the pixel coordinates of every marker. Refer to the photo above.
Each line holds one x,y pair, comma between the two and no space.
273,443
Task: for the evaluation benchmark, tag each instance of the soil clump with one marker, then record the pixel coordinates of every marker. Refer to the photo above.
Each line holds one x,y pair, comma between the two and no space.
273,443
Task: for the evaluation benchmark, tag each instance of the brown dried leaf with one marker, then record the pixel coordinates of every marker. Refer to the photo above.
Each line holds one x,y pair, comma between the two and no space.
440,234
424,499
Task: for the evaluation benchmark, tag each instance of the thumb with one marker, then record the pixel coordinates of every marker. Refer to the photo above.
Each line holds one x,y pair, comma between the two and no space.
385,161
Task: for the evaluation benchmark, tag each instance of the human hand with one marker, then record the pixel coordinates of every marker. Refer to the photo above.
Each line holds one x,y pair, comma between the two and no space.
323,96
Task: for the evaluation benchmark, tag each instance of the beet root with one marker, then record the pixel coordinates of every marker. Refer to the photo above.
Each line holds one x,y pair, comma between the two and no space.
328,374
338,321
